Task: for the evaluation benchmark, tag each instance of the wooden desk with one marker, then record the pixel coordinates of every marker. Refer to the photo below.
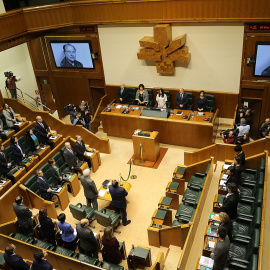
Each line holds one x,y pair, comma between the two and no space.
62,198
43,152
206,250
56,141
162,217
150,146
29,165
18,174
94,159
107,195
174,130
8,134
5,186
22,125
74,184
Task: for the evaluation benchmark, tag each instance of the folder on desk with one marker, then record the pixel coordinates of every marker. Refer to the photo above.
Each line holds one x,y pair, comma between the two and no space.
180,170
214,216
207,262
212,231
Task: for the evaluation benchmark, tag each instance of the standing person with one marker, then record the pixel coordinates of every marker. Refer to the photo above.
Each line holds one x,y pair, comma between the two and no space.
68,237
32,140
55,172
90,189
24,216
161,99
181,99
47,226
81,150
241,154
88,241
243,128
264,129
70,156
17,150
221,251
40,262
226,223
13,260
43,186
87,119
11,84
119,203
10,117
5,164
42,129
110,250
201,102
122,94
142,96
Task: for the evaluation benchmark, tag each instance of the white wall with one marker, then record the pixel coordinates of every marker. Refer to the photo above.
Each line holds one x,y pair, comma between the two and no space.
216,53
2,7
18,60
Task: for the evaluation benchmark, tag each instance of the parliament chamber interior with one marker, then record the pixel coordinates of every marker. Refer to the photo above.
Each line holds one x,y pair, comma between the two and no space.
169,98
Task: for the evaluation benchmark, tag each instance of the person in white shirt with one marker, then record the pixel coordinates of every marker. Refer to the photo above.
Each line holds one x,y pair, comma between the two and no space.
243,128
161,99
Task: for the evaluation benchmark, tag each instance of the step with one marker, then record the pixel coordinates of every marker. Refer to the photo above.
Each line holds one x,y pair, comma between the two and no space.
173,256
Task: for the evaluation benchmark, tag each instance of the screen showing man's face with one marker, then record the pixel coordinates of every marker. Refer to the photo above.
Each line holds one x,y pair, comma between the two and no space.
70,53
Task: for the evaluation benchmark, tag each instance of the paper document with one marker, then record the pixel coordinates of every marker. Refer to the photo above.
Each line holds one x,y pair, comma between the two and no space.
200,114
207,262
95,234
17,123
226,166
224,176
118,106
223,183
52,137
211,244
102,193
89,154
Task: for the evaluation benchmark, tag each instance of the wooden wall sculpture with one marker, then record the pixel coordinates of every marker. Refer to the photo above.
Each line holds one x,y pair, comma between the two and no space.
163,50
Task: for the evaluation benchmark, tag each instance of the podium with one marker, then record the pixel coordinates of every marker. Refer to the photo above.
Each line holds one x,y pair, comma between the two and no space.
150,146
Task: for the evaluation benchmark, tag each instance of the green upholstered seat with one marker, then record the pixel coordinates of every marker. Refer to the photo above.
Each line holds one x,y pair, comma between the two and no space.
262,165
31,183
150,97
178,223
248,191
107,218
185,212
242,249
244,228
22,237
42,244
87,259
80,211
5,126
65,252
249,175
190,101
191,197
25,145
111,266
168,102
210,102
2,260
196,182
60,162
8,151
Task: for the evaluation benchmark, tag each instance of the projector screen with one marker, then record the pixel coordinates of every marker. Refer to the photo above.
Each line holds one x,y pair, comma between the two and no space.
72,54
262,60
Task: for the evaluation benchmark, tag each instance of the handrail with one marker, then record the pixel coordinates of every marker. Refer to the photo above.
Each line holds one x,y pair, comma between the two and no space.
234,117
97,110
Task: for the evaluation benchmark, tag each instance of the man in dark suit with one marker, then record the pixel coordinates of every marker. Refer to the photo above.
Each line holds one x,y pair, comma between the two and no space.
88,241
4,161
43,186
81,150
43,131
24,216
70,156
90,189
181,100
122,94
230,202
13,260
17,150
40,262
119,203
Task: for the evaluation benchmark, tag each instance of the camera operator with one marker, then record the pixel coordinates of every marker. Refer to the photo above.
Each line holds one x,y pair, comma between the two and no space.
228,137
11,84
264,130
79,120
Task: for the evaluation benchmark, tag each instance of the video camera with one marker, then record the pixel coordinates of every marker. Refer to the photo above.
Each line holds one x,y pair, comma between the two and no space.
226,132
8,74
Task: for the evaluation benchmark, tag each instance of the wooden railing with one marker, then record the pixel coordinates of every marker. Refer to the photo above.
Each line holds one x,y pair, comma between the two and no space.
101,144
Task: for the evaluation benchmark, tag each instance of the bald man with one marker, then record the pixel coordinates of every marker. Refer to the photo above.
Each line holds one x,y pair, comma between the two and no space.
42,129
122,94
88,241
70,156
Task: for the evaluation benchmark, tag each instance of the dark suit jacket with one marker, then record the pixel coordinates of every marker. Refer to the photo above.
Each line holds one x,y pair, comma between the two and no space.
124,95
55,177
47,227
16,153
80,149
183,101
118,196
230,205
4,160
43,186
70,159
87,238
24,215
89,187
42,132
16,262
43,265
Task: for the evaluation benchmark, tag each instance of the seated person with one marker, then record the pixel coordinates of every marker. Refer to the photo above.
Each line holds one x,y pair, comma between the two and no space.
13,260
81,150
17,150
142,96
110,250
70,156
122,94
5,164
68,237
240,153
10,117
226,223
264,130
181,100
40,262
229,139
230,202
161,99
32,140
42,129
243,128
201,102
43,186
221,251
55,172
242,139
47,226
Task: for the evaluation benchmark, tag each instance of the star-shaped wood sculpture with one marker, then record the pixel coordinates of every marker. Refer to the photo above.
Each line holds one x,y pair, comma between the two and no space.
163,50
